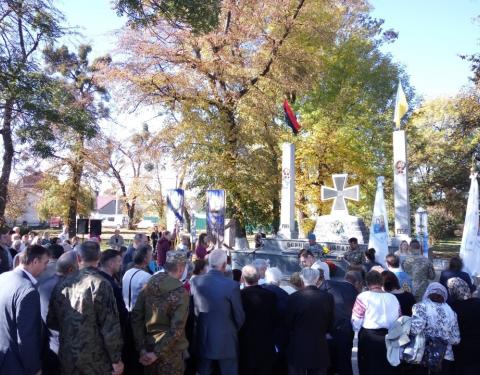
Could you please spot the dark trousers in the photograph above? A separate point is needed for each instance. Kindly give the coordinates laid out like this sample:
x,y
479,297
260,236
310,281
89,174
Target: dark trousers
x,y
448,368
462,369
50,363
340,349
227,366
260,369
306,371
372,353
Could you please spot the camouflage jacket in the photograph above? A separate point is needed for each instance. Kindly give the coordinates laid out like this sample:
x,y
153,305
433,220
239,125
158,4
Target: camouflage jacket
x,y
421,270
83,309
159,316
354,256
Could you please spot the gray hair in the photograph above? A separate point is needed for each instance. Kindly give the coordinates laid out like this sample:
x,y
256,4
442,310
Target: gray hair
x,y
217,259
66,263
309,276
273,275
89,251
250,274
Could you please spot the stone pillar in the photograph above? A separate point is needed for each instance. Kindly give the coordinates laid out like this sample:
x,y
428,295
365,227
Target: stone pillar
x,y
401,196
287,213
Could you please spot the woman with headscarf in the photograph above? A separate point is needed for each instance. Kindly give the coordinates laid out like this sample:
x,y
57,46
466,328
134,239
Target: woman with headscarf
x,y
436,320
467,360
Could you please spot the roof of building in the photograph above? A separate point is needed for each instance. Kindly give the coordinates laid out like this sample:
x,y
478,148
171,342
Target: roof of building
x,y
31,180
103,200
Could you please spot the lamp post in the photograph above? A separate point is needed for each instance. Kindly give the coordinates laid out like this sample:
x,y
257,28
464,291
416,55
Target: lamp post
x,y
421,228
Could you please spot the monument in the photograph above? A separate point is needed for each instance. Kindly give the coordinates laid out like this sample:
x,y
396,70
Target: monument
x,y
287,208
339,226
400,172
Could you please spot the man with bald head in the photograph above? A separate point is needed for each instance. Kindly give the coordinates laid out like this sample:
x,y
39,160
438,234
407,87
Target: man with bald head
x,y
257,335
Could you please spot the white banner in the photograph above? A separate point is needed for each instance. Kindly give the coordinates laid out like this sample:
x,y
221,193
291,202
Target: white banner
x,y
469,250
379,227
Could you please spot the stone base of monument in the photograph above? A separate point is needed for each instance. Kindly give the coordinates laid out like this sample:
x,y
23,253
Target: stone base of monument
x,y
283,254
339,228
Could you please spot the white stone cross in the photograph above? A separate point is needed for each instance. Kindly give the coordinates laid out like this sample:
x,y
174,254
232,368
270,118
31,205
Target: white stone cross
x,y
339,194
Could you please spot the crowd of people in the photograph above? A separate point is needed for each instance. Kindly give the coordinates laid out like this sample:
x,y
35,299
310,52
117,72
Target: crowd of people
x,y
152,307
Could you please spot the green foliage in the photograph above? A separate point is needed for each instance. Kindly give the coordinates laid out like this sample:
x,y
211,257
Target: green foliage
x,y
55,199
347,121
441,223
443,136
200,15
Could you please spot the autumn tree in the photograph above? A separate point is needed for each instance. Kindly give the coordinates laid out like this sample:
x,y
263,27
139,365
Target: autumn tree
x,y
347,120
55,199
130,162
16,202
443,137
223,89
26,26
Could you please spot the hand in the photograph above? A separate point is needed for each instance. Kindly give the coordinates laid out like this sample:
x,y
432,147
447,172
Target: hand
x,y
147,358
117,368
39,372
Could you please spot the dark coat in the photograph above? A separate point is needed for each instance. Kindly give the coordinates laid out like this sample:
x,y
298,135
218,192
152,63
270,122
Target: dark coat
x,y
344,296
20,325
282,298
218,315
309,317
468,311
448,274
257,335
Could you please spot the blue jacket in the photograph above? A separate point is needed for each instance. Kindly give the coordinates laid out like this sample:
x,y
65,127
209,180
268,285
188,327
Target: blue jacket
x,y
20,325
219,315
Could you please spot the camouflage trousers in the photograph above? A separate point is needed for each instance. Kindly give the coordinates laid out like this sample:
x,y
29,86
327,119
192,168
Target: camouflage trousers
x,y
172,364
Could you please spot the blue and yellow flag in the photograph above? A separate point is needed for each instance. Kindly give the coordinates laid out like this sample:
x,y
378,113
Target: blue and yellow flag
x,y
401,105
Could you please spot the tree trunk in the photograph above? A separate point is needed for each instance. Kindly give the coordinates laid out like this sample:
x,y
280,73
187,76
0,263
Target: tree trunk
x,y
131,213
8,152
276,214
77,173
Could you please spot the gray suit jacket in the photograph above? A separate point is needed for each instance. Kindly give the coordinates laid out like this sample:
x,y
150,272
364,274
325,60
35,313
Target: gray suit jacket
x,y
20,325
219,315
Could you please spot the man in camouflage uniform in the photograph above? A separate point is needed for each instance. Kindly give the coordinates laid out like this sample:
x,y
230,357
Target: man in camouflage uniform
x,y
83,310
159,318
354,256
420,269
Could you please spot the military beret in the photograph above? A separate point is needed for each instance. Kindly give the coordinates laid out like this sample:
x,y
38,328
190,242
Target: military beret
x,y
176,256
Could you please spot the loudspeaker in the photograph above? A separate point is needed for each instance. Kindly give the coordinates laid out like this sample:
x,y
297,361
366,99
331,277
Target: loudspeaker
x,y
95,227
82,226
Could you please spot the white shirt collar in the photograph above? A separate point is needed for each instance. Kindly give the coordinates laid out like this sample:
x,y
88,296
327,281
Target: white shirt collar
x,y
30,276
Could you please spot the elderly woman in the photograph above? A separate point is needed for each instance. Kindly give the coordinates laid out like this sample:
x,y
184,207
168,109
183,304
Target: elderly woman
x,y
435,319
373,314
467,360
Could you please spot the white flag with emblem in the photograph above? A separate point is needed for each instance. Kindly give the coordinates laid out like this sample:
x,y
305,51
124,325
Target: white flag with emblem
x,y
379,227
470,248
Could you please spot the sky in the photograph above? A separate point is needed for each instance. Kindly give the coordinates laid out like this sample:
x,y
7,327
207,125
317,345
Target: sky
x,y
432,33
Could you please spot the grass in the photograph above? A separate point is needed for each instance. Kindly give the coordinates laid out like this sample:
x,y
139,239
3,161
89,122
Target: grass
x,y
446,248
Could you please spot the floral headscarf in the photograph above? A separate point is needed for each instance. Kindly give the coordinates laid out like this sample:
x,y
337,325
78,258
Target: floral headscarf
x,y
436,288
458,289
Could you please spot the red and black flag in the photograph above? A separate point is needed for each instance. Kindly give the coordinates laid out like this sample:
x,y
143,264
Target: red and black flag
x,y
290,117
